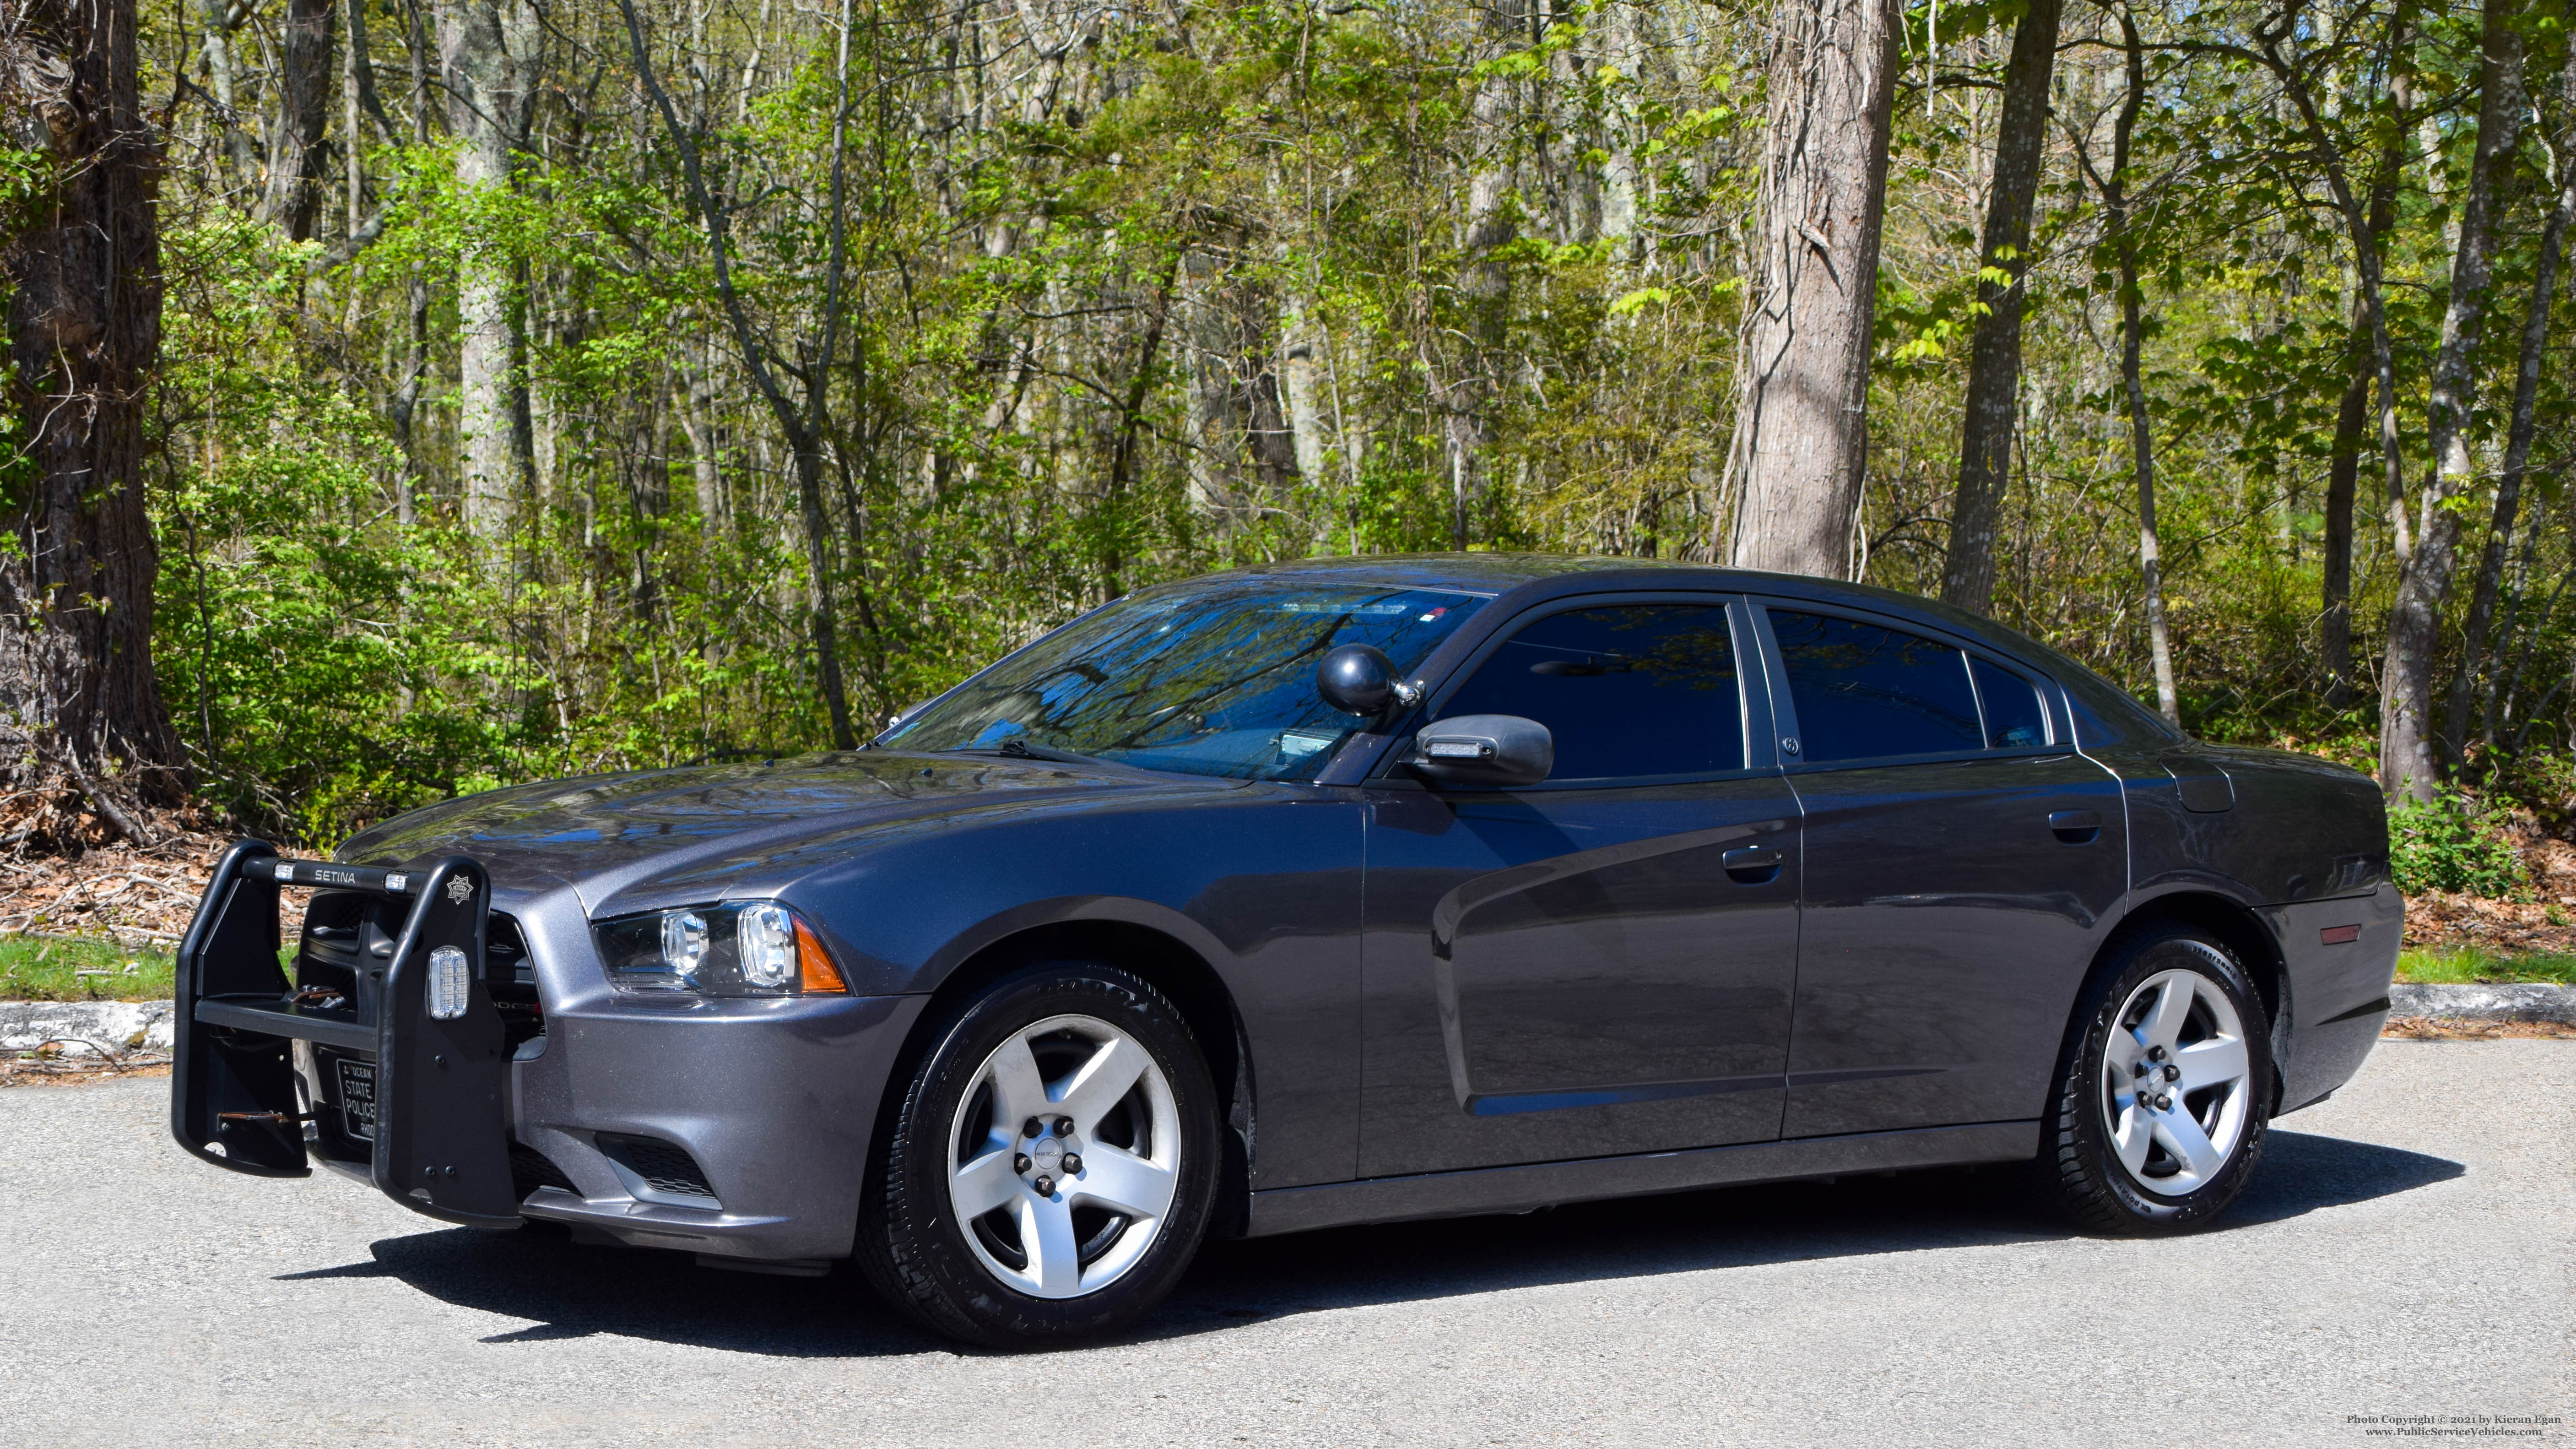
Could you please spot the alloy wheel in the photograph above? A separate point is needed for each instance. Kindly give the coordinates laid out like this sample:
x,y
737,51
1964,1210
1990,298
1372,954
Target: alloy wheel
x,y
2175,1069
1065,1155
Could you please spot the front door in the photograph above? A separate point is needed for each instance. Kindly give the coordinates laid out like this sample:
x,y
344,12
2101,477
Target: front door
x,y
1962,866
1602,963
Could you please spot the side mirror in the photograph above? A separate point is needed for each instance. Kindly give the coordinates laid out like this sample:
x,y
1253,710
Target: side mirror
x,y
1359,679
1485,749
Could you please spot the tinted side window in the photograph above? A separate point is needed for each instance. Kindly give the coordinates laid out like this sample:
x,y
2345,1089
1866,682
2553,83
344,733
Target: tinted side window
x,y
1864,692
2014,718
1629,690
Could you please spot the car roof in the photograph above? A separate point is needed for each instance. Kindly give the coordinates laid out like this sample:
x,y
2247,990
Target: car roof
x,y
1538,575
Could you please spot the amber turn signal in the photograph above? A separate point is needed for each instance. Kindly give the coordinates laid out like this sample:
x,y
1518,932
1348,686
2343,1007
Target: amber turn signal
x,y
815,964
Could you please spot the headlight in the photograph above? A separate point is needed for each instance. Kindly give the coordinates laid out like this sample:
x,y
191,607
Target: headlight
x,y
754,948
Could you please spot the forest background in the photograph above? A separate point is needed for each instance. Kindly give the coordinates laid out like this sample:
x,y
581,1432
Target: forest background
x,y
553,386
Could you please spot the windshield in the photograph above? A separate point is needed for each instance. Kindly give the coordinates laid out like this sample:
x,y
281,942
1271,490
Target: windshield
x,y
1210,679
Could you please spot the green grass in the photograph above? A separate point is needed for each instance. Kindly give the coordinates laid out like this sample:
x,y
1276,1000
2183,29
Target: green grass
x,y
2459,965
67,968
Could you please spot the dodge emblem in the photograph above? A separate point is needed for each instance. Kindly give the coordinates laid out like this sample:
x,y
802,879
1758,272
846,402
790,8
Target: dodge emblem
x,y
458,888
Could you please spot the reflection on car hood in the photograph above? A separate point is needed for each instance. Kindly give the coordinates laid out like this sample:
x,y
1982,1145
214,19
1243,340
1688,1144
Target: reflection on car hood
x,y
602,833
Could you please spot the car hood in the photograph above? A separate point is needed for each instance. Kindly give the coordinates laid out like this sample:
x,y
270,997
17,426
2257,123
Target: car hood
x,y
603,834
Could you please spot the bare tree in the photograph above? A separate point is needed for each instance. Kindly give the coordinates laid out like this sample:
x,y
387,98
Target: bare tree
x,y
1994,356
295,149
2343,466
1801,427
805,421
2521,429
78,700
492,54
2120,223
2407,762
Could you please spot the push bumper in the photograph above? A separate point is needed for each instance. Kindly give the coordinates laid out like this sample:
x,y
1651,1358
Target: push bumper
x,y
735,1129
417,1043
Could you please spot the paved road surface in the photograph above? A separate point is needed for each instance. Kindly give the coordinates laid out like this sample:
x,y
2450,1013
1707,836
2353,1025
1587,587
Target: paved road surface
x,y
2409,1249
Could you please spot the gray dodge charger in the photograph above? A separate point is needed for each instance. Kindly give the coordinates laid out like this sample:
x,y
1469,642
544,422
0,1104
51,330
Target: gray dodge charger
x,y
1342,891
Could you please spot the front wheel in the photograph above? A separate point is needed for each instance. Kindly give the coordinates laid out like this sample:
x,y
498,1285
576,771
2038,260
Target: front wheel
x,y
2165,1092
1052,1166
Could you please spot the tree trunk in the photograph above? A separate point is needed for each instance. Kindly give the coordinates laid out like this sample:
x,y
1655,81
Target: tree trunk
x,y
2343,476
2407,762
1994,357
2519,432
2343,470
803,424
2142,437
295,150
1462,390
705,467
78,701
490,51
1801,428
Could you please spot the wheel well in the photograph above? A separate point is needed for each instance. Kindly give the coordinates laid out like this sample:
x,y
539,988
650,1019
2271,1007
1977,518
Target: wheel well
x,y
2235,927
1170,967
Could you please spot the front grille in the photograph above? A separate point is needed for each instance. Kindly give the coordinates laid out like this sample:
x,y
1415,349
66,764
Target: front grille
x,y
531,1169
663,1166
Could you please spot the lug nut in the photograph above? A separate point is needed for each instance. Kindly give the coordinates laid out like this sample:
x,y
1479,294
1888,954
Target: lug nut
x,y
1072,1163
1063,1126
2163,1102
1030,1128
1019,1162
2140,1070
1046,1187
2155,1054
2172,1073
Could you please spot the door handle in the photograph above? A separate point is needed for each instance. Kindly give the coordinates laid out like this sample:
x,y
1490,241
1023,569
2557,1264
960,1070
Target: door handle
x,y
1751,864
2075,827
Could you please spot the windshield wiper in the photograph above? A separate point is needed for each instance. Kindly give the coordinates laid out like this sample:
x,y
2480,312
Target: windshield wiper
x,y
1020,749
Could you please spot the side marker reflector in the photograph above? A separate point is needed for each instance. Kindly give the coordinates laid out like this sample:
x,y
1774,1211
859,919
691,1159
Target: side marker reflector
x,y
2339,935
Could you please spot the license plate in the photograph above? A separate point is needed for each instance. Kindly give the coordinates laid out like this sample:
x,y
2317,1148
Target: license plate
x,y
358,1098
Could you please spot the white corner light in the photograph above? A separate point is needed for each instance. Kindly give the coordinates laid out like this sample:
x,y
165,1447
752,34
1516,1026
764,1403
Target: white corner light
x,y
450,983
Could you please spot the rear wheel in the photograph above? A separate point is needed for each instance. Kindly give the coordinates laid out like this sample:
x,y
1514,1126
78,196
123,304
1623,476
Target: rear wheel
x,y
2166,1091
1051,1168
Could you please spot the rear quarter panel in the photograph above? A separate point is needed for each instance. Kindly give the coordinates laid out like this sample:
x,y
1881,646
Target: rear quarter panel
x,y
2305,849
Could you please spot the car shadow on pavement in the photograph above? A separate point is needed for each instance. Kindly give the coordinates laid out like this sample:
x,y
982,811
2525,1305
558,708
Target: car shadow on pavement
x,y
1263,1278
567,1290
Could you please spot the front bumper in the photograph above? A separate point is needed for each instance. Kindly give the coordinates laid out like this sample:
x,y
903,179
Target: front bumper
x,y
735,1129
775,1102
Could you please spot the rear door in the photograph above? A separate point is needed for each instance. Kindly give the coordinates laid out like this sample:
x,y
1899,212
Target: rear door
x,y
1962,862
1601,963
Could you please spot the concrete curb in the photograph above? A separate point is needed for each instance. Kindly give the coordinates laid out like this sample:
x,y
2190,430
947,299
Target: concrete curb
x,y
85,1028
2485,1003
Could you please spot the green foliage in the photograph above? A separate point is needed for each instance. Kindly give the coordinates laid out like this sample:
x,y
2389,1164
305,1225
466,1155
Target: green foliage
x,y
2455,842
1233,285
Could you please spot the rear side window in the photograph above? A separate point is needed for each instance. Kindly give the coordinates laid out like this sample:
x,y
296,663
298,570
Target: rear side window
x,y
1865,692
2014,718
1628,691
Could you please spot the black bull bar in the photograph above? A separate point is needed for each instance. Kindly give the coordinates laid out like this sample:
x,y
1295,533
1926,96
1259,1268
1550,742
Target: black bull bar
x,y
441,1132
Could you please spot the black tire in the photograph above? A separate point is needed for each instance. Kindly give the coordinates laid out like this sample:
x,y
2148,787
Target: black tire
x,y
2078,1170
911,1244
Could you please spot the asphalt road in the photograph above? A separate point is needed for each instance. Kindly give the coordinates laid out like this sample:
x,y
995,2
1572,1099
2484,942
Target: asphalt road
x,y
2408,1249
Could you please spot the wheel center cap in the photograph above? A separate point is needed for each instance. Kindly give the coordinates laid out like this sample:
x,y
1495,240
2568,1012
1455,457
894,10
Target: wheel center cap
x,y
1048,1155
